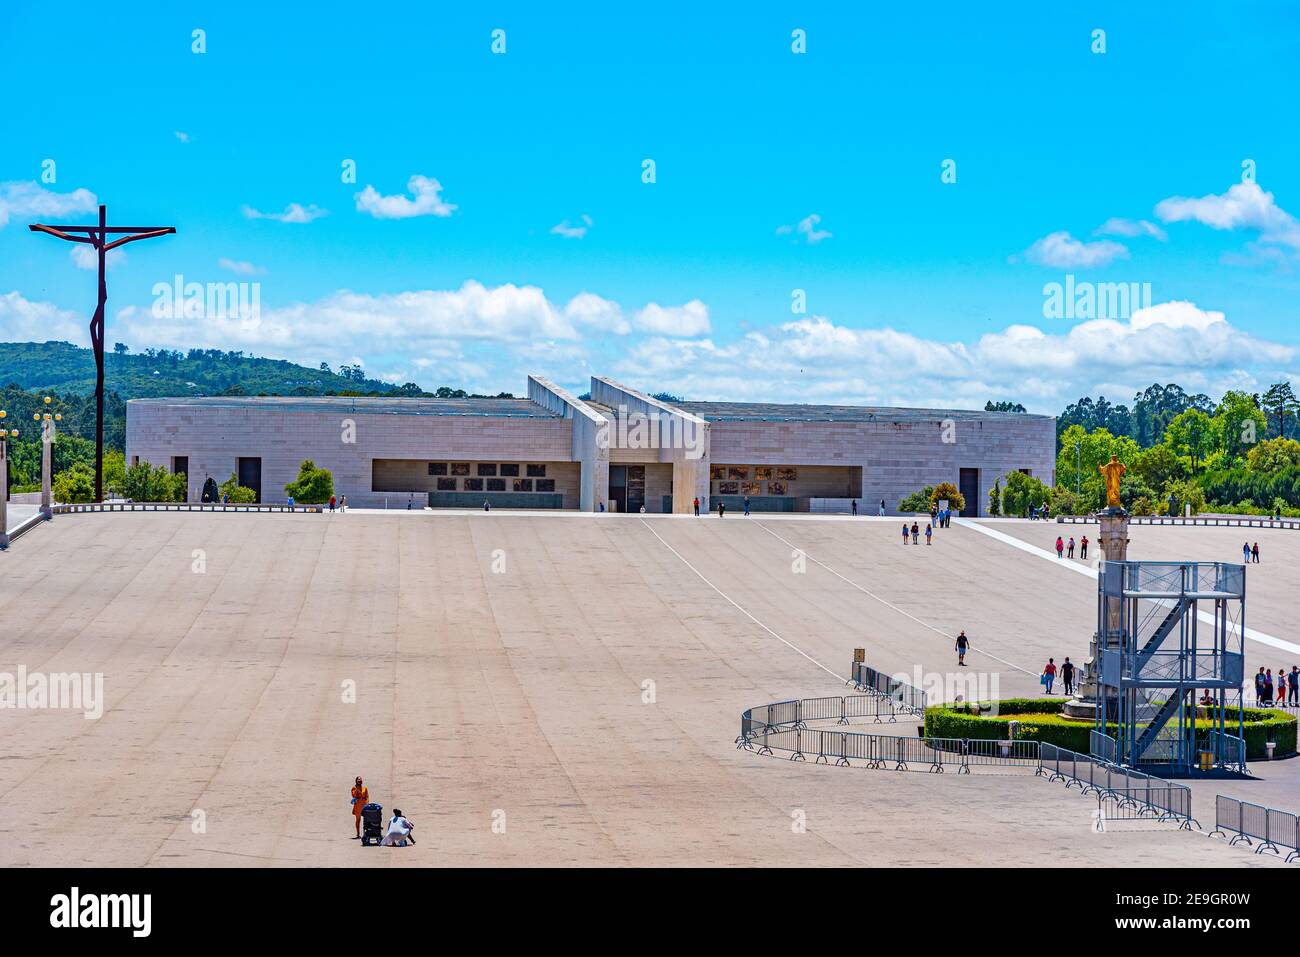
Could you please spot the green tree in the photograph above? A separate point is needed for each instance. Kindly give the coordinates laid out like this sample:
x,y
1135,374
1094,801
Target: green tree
x,y
1022,491
1281,404
1157,467
239,494
1003,406
76,484
956,501
313,486
1191,433
995,498
152,483
1273,456
1238,424
917,501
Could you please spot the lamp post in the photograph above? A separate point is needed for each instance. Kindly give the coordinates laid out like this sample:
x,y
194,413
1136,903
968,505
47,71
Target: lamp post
x,y
5,436
48,429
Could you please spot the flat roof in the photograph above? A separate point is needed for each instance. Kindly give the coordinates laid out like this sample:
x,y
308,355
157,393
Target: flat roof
x,y
796,412
364,405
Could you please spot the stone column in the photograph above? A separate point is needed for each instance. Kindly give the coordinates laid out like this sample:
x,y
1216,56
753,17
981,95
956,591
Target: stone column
x,y
4,492
47,468
1112,540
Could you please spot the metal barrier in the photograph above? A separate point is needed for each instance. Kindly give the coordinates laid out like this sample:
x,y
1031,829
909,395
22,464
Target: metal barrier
x,y
1103,745
910,698
1162,802
1092,774
1267,825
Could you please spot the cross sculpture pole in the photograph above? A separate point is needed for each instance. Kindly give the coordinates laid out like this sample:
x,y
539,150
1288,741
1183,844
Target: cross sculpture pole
x,y
97,236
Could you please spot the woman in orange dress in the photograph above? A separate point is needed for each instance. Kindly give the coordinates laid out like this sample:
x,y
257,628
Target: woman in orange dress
x,y
360,798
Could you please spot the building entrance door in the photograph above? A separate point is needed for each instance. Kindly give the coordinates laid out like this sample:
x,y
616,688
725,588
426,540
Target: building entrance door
x,y
968,484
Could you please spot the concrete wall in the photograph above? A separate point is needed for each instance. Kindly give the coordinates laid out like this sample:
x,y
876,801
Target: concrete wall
x,y
412,475
683,440
214,436
590,440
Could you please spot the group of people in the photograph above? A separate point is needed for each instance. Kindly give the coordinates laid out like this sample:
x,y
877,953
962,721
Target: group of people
x,y
1039,512
1065,549
340,503
915,531
1282,690
399,830
1067,673
1250,553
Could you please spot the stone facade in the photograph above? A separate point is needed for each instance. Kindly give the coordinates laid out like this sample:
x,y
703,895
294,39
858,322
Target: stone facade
x,y
379,449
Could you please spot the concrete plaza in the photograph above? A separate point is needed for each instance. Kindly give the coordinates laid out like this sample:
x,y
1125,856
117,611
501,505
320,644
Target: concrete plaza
x,y
535,689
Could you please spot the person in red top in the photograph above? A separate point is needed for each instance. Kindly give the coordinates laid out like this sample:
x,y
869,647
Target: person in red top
x,y
1060,546
1083,547
1049,674
697,507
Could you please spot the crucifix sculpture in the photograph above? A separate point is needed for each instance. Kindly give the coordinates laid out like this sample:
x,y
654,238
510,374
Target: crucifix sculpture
x,y
97,236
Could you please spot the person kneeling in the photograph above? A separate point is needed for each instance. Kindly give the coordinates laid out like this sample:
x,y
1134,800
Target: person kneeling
x,y
399,831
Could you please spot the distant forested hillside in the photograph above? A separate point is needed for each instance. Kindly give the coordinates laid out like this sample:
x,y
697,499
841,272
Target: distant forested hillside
x,y
64,368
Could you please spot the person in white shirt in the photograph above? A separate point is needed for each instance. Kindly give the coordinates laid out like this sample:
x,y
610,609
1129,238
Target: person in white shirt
x,y
399,831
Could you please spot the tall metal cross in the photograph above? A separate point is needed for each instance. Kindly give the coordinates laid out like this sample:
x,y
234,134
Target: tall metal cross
x,y
97,236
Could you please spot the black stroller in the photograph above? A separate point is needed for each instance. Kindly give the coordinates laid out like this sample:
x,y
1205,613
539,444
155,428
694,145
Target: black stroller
x,y
372,824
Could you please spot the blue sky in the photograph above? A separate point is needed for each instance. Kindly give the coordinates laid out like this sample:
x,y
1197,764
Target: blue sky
x,y
541,249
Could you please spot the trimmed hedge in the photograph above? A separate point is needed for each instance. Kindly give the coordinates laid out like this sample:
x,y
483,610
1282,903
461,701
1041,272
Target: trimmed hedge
x,y
1047,725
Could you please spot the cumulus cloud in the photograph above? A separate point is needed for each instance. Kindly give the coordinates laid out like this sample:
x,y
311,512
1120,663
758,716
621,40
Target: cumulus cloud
x,y
26,199
84,257
1060,250
182,136
807,228
1243,206
573,232
293,213
427,201
240,267
22,320
1117,226
689,319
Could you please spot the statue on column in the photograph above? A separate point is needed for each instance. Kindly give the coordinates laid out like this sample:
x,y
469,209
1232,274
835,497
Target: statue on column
x,y
1112,472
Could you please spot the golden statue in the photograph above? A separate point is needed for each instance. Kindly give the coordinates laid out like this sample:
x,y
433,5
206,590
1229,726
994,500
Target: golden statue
x,y
1112,472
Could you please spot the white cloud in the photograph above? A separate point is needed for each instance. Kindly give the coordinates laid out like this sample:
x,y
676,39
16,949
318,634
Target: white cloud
x,y
689,319
572,232
26,199
595,313
293,213
807,228
84,257
1060,250
427,202
1118,226
1243,206
22,320
183,137
240,267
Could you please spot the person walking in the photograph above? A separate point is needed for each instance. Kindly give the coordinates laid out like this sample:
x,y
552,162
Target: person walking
x,y
882,506
963,643
1293,686
854,506
722,508
697,506
928,532
746,504
360,798
916,533
333,503
1268,687
1254,553
1049,674
1259,688
905,533
1067,676
1245,552
343,504
1060,546
934,514
1069,549
1083,547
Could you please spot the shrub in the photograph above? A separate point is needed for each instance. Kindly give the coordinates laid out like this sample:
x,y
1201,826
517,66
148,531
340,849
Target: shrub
x,y
75,484
917,501
966,721
313,486
239,494
956,501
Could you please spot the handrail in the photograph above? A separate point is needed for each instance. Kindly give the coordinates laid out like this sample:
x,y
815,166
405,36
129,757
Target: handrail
x,y
1267,825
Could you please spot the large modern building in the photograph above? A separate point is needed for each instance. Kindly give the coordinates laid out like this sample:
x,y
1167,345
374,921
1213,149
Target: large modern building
x,y
619,450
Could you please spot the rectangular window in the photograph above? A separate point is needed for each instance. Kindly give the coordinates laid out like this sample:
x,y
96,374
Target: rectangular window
x,y
496,485
459,468
180,465
545,485
446,485
486,469
473,485
437,468
510,471
536,471
523,485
